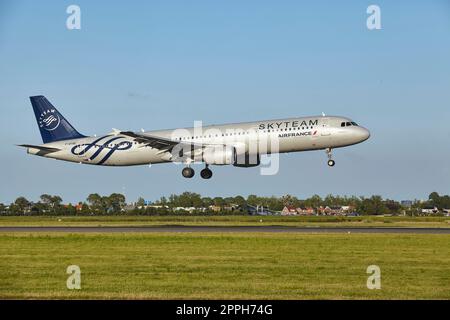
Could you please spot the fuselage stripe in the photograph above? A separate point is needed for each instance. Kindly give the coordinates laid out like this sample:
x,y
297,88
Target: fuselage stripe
x,y
100,148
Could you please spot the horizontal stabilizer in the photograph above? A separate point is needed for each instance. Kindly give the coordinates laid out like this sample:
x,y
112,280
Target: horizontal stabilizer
x,y
42,148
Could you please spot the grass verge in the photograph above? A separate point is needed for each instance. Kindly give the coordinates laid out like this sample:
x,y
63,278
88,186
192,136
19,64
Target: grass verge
x,y
224,266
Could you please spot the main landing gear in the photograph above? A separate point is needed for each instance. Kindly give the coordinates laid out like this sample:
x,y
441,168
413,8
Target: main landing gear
x,y
188,172
206,173
331,162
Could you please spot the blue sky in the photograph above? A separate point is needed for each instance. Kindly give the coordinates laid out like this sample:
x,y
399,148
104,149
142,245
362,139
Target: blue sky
x,y
164,64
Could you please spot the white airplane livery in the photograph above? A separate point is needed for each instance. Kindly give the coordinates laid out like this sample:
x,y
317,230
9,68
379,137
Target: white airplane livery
x,y
237,144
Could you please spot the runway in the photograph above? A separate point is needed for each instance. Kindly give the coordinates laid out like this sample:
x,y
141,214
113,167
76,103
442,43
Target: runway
x,y
227,229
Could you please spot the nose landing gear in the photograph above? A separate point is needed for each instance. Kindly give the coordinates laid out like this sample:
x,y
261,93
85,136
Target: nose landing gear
x,y
331,162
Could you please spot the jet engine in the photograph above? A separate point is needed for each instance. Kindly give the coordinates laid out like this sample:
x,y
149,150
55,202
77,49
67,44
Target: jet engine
x,y
247,160
219,155
223,155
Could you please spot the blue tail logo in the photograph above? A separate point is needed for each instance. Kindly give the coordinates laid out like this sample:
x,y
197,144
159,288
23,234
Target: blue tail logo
x,y
53,126
49,120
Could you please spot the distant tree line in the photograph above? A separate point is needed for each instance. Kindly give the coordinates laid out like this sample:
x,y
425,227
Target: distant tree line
x,y
52,205
115,203
438,201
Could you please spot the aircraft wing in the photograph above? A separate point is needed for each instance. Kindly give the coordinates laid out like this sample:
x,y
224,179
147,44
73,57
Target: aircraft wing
x,y
160,143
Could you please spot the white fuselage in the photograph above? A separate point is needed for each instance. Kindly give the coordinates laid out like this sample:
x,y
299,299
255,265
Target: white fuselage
x,y
261,137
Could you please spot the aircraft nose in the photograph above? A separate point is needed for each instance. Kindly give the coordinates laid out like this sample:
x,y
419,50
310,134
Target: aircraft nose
x,y
363,134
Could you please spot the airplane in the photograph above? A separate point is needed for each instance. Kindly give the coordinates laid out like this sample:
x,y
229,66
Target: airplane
x,y
237,144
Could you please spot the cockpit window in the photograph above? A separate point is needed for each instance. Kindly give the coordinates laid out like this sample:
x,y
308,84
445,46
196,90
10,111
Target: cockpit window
x,y
348,124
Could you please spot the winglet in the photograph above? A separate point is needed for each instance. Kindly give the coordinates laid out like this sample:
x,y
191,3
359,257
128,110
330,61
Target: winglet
x,y
116,131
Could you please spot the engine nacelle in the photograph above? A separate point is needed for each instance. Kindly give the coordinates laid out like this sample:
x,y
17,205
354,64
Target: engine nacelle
x,y
219,155
246,160
223,155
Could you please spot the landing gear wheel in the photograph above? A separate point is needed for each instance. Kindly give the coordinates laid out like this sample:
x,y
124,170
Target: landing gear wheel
x,y
188,172
331,162
206,173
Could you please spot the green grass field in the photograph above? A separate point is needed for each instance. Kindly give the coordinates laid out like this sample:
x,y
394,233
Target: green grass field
x,y
222,266
217,220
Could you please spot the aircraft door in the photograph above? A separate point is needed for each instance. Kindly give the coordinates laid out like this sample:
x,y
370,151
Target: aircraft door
x,y
325,127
